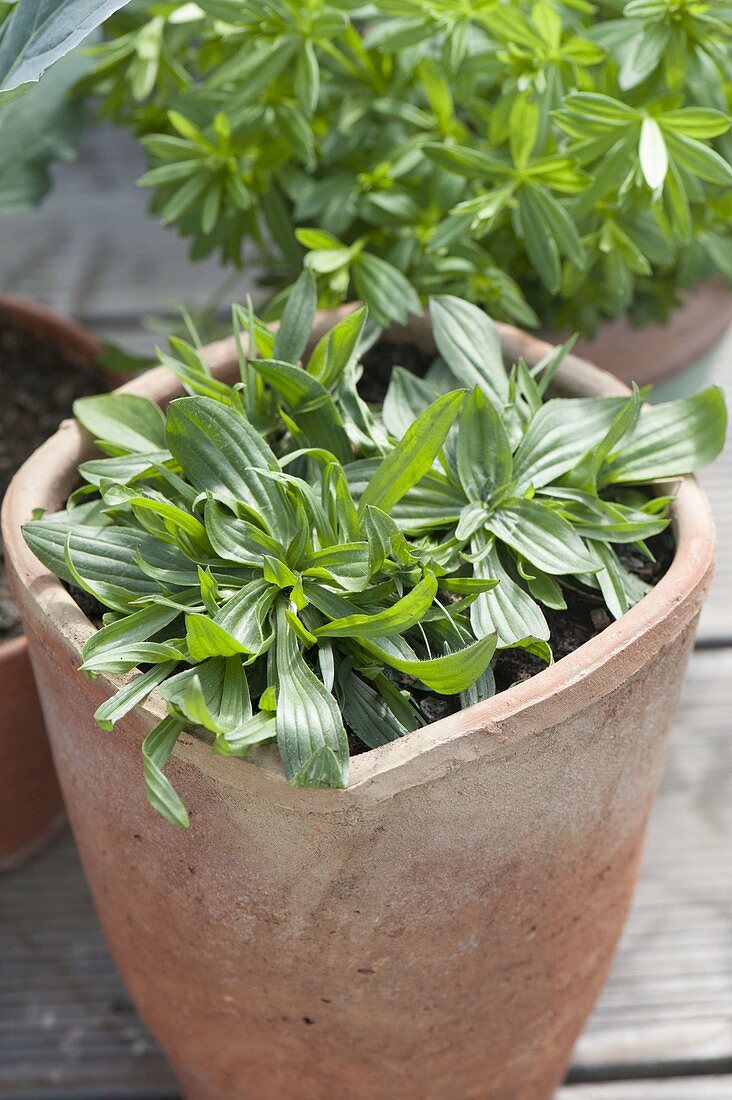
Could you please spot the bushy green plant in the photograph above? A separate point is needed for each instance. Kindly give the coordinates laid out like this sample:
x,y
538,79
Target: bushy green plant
x,y
554,163
285,561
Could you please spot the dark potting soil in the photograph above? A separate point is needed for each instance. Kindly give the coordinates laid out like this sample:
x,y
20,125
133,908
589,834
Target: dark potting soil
x,y
585,617
39,382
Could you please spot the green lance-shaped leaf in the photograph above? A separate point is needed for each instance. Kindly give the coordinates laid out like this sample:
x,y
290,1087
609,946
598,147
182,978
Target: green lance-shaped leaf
x,y
507,608
484,461
140,626
297,319
164,520
310,734
560,224
348,565
406,398
699,159
620,588
258,729
205,638
584,474
125,420
244,617
310,405
539,241
236,539
156,750
386,291
539,534
368,712
469,343
560,435
335,351
402,615
447,675
413,456
128,655
128,696
216,447
214,694
105,565
609,521
193,372
670,440
123,469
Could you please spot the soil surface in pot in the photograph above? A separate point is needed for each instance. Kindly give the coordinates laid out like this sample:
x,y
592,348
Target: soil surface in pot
x,y
39,381
586,614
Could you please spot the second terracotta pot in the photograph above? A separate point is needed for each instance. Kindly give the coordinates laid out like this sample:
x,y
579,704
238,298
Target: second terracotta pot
x,y
31,808
676,356
441,927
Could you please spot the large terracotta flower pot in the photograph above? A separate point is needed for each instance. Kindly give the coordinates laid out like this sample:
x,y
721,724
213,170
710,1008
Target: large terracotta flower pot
x,y
31,810
442,927
676,356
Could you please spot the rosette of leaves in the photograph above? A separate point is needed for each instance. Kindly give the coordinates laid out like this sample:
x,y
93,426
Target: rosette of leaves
x,y
551,162
260,599
287,563
539,492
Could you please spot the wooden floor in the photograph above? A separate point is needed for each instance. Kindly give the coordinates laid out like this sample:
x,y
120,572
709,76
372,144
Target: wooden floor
x,y
662,1029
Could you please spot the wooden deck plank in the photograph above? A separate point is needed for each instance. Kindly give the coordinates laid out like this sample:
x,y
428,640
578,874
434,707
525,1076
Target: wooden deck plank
x,y
715,624
92,249
66,1026
669,998
67,1031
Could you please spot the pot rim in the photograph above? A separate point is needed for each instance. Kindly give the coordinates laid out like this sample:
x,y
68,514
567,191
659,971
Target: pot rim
x,y
592,671
30,313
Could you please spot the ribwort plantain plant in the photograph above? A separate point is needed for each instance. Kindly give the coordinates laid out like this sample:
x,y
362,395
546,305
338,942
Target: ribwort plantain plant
x,y
287,563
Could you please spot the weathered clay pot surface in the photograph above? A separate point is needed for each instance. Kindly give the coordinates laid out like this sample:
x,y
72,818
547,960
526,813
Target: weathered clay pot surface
x,y
31,808
439,929
656,353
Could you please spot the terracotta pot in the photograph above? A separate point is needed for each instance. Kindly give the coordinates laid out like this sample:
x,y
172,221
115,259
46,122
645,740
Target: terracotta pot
x,y
440,928
657,353
31,809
